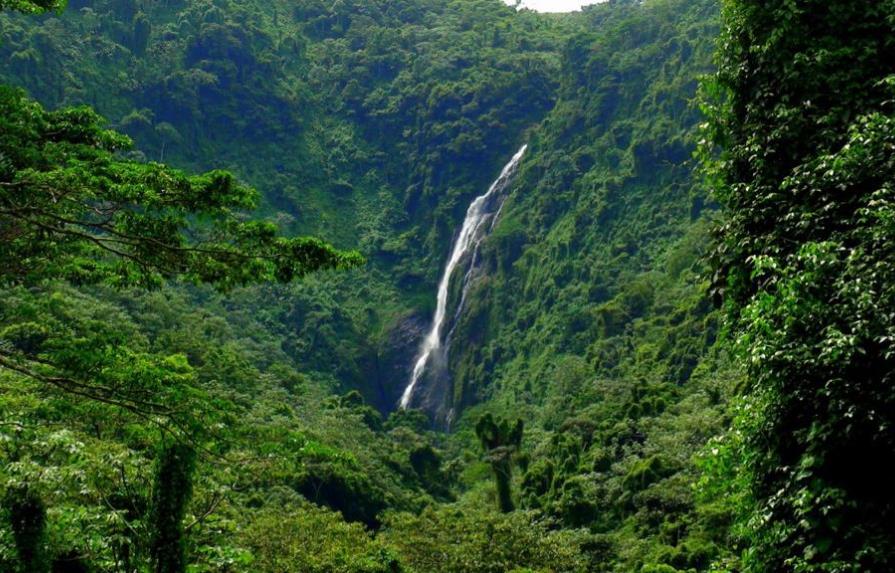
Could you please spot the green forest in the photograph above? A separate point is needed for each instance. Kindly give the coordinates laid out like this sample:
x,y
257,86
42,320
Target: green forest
x,y
277,297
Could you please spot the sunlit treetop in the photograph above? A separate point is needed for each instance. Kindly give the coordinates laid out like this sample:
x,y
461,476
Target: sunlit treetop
x,y
32,6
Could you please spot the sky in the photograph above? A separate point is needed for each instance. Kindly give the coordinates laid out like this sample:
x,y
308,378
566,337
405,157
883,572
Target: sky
x,y
553,5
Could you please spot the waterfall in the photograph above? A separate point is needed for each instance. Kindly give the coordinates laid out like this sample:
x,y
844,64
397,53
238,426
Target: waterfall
x,y
470,236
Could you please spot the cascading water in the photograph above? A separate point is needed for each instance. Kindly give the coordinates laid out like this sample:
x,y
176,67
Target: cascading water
x,y
471,235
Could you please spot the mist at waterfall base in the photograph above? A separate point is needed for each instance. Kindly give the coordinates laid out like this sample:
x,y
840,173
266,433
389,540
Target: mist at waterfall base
x,y
431,361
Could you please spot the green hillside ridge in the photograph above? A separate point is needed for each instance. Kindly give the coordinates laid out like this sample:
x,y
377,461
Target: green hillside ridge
x,y
327,162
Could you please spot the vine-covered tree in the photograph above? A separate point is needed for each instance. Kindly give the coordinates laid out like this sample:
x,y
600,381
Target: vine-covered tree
x,y
171,493
804,261
27,518
501,442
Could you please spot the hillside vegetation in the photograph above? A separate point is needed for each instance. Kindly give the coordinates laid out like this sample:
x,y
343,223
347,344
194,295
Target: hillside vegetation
x,y
664,361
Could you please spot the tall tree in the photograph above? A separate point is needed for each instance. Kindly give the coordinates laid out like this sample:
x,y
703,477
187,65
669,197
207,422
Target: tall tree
x,y
501,442
27,517
807,175
171,493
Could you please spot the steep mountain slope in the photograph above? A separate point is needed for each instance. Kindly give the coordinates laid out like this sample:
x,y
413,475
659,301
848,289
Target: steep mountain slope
x,y
607,215
590,318
367,123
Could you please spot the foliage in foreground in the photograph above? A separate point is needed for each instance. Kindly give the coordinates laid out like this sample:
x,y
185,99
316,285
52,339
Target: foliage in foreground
x,y
803,259
71,207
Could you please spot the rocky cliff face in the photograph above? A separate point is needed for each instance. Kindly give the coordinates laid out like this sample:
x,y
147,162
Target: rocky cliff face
x,y
395,359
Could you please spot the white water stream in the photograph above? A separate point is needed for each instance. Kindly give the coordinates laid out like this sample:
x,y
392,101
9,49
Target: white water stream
x,y
469,238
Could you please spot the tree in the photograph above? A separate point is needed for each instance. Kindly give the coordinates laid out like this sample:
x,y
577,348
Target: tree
x,y
501,443
72,208
142,29
171,493
804,121
32,6
27,518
